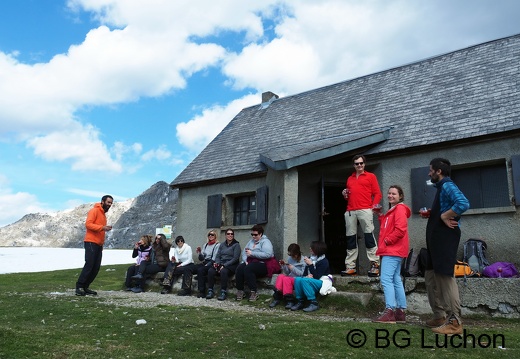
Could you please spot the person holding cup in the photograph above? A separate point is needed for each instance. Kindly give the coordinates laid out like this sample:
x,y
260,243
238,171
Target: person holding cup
x,y
363,195
207,255
393,246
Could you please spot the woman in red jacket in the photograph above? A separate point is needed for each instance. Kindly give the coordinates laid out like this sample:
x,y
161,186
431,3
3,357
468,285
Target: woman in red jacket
x,y
393,246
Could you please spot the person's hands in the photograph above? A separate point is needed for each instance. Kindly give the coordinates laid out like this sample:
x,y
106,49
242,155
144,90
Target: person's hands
x,y
307,261
248,252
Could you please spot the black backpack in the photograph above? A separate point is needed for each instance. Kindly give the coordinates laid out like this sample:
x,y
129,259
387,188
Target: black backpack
x,y
475,255
410,265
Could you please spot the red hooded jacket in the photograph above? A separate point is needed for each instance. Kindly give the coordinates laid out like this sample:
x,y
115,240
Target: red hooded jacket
x,y
393,232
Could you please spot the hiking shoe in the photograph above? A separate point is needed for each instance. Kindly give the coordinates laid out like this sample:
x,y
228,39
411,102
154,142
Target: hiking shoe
x,y
89,291
137,276
80,292
387,316
128,289
201,295
137,289
311,307
374,269
253,296
210,294
452,326
184,292
349,271
435,322
223,295
166,290
240,295
400,316
274,303
289,305
297,306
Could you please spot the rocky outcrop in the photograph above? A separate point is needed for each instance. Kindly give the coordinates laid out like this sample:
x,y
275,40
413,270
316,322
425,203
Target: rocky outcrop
x,y
152,209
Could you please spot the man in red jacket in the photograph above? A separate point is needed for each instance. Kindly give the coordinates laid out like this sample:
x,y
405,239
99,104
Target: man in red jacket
x,y
96,224
363,195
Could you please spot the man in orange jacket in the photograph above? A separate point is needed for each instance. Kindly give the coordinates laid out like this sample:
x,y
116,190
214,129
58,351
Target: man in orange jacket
x,y
96,224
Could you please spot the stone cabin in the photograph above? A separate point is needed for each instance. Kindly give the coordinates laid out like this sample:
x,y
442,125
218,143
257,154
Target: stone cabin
x,y
283,163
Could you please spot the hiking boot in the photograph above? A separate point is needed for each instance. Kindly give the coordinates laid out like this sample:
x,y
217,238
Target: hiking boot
x,y
297,306
166,290
137,289
289,305
89,291
374,269
400,316
184,292
387,316
201,295
312,307
253,296
240,295
452,326
137,276
435,322
349,271
223,295
274,303
80,292
210,294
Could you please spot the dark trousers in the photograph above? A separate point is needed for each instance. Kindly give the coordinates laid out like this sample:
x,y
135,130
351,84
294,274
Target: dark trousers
x,y
187,275
93,255
225,273
202,273
248,274
147,270
169,274
132,270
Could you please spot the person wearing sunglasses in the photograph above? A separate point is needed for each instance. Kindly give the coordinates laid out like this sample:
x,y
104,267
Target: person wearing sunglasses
x,y
159,259
363,195
141,252
256,256
207,255
181,264
226,263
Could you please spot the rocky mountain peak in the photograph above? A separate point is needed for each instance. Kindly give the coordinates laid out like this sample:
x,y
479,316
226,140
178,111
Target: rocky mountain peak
x,y
152,209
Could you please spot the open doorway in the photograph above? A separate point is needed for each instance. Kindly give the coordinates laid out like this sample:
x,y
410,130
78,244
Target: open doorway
x,y
333,225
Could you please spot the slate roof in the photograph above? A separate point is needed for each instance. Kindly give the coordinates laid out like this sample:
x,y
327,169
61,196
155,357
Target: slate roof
x,y
456,96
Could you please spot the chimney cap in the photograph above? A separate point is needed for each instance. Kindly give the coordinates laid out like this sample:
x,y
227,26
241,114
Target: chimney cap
x,y
268,96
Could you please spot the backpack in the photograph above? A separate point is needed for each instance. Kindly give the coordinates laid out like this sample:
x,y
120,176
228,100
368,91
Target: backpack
x,y
500,270
463,269
410,265
475,254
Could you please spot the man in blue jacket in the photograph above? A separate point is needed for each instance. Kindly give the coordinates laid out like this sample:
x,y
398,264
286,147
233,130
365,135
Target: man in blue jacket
x,y
442,241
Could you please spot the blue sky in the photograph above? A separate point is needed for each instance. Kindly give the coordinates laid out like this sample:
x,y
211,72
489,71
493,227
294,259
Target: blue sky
x,y
111,96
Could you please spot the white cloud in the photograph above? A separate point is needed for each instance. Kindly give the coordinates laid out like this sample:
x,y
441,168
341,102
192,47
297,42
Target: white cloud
x,y
198,132
78,144
159,154
14,206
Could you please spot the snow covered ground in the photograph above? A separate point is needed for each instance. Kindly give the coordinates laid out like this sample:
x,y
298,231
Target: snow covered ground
x,y
41,259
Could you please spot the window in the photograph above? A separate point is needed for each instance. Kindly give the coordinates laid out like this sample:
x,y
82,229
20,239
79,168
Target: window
x,y
244,210
484,186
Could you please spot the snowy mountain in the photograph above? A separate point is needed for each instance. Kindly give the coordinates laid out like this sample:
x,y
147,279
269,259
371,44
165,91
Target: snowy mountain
x,y
154,208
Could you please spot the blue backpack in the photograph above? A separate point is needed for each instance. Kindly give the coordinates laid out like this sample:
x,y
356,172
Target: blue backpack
x,y
475,255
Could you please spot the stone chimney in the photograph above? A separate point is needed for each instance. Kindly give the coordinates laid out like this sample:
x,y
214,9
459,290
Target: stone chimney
x,y
268,97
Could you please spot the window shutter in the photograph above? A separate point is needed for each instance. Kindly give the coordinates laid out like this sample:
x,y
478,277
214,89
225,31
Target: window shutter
x,y
422,194
261,205
214,219
515,164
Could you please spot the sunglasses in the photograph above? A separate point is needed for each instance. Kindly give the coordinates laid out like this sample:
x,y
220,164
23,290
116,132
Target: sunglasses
x,y
358,163
230,234
211,235
255,234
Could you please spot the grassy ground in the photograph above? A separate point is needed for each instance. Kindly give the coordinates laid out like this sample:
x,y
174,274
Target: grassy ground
x,y
41,318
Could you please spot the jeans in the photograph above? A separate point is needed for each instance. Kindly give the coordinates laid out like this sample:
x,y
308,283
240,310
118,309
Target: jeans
x,y
391,282
93,255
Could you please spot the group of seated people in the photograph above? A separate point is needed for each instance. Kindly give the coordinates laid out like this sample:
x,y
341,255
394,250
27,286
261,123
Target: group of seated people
x,y
301,278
